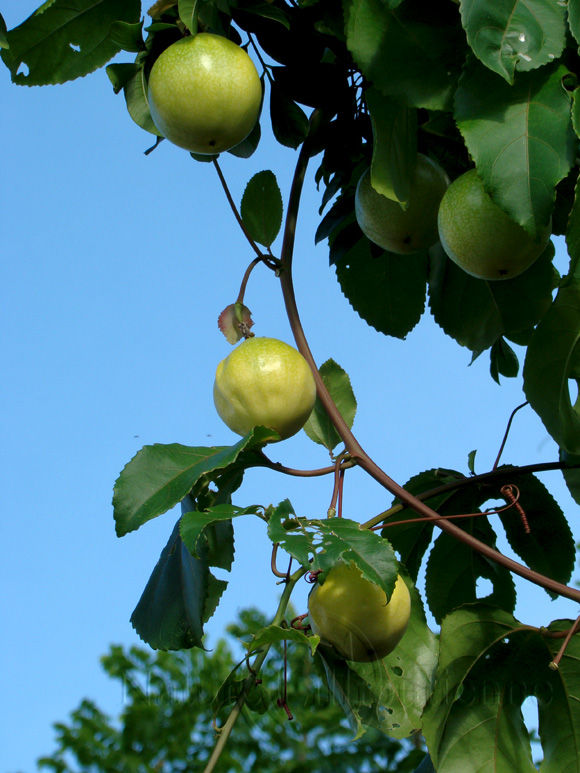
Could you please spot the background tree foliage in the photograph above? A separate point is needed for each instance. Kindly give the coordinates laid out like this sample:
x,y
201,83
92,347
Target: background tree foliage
x,y
485,83
166,723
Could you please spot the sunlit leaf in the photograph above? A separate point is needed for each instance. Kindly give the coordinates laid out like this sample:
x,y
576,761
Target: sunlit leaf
x,y
394,146
508,36
319,427
66,39
520,137
401,54
261,207
159,476
331,540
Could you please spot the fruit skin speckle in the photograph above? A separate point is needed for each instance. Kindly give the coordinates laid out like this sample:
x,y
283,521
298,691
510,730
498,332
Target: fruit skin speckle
x,y
204,93
480,237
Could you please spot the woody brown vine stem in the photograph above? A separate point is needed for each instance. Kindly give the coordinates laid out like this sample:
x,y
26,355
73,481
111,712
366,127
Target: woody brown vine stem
x,y
352,445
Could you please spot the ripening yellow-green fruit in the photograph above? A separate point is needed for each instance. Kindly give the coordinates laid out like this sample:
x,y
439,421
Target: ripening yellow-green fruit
x,y
266,382
480,237
399,230
204,93
354,616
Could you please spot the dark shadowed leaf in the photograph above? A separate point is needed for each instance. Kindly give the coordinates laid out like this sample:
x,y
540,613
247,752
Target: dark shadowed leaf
x,y
547,368
386,290
170,612
476,312
572,476
453,569
503,360
549,546
411,540
289,121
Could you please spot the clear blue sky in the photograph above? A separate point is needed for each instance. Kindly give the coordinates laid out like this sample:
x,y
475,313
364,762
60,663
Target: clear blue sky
x,y
115,268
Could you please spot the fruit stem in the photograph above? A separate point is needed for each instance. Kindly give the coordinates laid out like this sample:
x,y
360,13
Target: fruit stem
x,y
351,443
250,681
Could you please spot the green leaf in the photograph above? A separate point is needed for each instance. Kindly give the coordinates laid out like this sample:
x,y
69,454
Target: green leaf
x,y
547,368
549,547
129,37
520,137
473,720
401,54
572,476
246,148
135,92
187,10
289,121
3,30
574,19
331,540
503,360
559,704
120,74
386,290
394,145
170,612
401,683
262,208
573,232
66,39
476,312
274,634
319,427
411,540
453,568
159,476
194,524
348,690
471,461
508,36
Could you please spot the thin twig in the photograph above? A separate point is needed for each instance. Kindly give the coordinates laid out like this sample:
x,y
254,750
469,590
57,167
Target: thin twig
x,y
507,432
555,664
